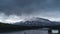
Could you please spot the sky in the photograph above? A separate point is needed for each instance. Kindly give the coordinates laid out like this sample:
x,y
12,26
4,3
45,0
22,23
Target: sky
x,y
12,11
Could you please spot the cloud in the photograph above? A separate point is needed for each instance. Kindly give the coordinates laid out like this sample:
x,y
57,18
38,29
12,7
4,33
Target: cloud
x,y
23,6
30,8
10,19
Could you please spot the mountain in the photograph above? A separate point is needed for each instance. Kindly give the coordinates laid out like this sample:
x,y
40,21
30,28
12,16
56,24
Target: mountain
x,y
35,22
32,23
55,23
4,27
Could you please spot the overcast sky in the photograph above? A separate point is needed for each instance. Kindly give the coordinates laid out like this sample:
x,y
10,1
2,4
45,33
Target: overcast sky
x,y
19,9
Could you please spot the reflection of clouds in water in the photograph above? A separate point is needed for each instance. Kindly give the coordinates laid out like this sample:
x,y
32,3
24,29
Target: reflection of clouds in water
x,y
55,31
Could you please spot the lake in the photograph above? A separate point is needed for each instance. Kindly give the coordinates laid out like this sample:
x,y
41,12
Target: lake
x,y
35,31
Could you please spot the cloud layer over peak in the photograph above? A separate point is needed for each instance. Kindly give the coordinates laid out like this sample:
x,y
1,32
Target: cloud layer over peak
x,y
31,8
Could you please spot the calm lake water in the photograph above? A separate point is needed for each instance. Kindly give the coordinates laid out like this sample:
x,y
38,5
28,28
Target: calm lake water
x,y
37,31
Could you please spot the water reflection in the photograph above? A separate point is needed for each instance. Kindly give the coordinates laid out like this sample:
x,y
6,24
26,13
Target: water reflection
x,y
37,31
54,31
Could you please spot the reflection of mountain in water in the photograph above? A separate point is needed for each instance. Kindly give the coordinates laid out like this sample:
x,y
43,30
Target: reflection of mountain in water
x,y
36,31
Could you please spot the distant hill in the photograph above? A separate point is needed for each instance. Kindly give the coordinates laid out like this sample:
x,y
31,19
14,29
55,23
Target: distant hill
x,y
4,27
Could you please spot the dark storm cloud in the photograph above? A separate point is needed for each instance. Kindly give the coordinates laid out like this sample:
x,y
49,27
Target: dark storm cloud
x,y
20,7
16,10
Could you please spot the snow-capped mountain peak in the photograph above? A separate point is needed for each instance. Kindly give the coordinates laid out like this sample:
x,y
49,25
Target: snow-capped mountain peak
x,y
35,22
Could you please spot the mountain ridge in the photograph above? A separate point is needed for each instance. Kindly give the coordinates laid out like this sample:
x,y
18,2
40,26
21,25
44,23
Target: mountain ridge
x,y
35,22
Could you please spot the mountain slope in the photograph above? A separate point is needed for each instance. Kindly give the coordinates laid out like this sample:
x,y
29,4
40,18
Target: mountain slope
x,y
35,22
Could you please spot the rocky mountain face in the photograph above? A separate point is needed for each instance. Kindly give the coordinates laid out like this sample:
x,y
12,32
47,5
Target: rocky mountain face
x,y
35,22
